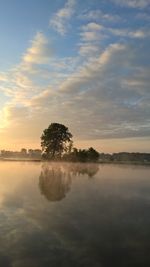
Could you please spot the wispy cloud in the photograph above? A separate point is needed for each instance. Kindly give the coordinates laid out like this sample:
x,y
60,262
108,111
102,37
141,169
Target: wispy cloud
x,y
95,29
137,33
133,3
101,95
88,49
3,77
60,20
92,26
89,36
98,15
93,35
40,50
100,85
15,113
143,16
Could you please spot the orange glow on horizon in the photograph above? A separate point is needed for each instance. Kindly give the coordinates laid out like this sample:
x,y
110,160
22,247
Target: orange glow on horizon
x,y
103,145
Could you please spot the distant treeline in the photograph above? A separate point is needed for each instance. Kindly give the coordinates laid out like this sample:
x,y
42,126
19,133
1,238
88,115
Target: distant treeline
x,y
80,155
23,153
91,155
125,157
71,154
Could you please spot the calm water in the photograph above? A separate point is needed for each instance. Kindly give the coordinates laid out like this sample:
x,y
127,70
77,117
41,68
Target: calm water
x,y
72,215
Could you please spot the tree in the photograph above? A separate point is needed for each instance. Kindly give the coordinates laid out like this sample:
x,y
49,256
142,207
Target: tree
x,y
54,140
82,155
92,154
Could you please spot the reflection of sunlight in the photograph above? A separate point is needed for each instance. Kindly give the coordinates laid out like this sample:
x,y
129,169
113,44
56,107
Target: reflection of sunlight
x,y
8,179
14,176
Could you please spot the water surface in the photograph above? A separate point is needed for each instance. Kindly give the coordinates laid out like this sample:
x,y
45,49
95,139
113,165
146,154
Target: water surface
x,y
74,215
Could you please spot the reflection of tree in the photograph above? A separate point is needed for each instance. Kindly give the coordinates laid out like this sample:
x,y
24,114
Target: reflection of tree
x,y
55,178
81,169
54,182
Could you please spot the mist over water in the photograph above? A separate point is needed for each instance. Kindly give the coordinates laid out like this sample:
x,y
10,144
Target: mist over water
x,y
68,214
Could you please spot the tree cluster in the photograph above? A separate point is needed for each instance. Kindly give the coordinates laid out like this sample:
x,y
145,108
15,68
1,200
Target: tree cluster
x,y
57,144
82,155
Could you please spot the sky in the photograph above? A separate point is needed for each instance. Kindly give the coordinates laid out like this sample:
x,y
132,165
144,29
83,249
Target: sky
x,y
85,64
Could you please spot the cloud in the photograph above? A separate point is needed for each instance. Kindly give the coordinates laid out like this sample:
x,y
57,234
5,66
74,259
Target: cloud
x,y
3,77
133,3
43,99
92,26
23,81
139,33
100,90
59,20
39,52
88,49
90,36
93,69
101,93
98,15
143,16
92,32
103,101
15,113
104,97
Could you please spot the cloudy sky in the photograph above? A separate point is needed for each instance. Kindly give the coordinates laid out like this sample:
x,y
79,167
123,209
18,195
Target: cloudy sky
x,y
85,64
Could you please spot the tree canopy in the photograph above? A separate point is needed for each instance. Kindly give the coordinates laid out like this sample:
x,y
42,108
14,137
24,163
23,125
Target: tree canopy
x,y
54,140
82,155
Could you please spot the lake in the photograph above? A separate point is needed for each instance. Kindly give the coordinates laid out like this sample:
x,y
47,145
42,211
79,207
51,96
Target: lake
x,y
73,215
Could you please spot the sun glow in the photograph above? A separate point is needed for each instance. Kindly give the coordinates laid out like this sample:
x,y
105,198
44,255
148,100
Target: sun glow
x,y
3,121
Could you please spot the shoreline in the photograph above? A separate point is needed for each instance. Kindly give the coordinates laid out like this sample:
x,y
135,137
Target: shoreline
x,y
32,160
100,162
